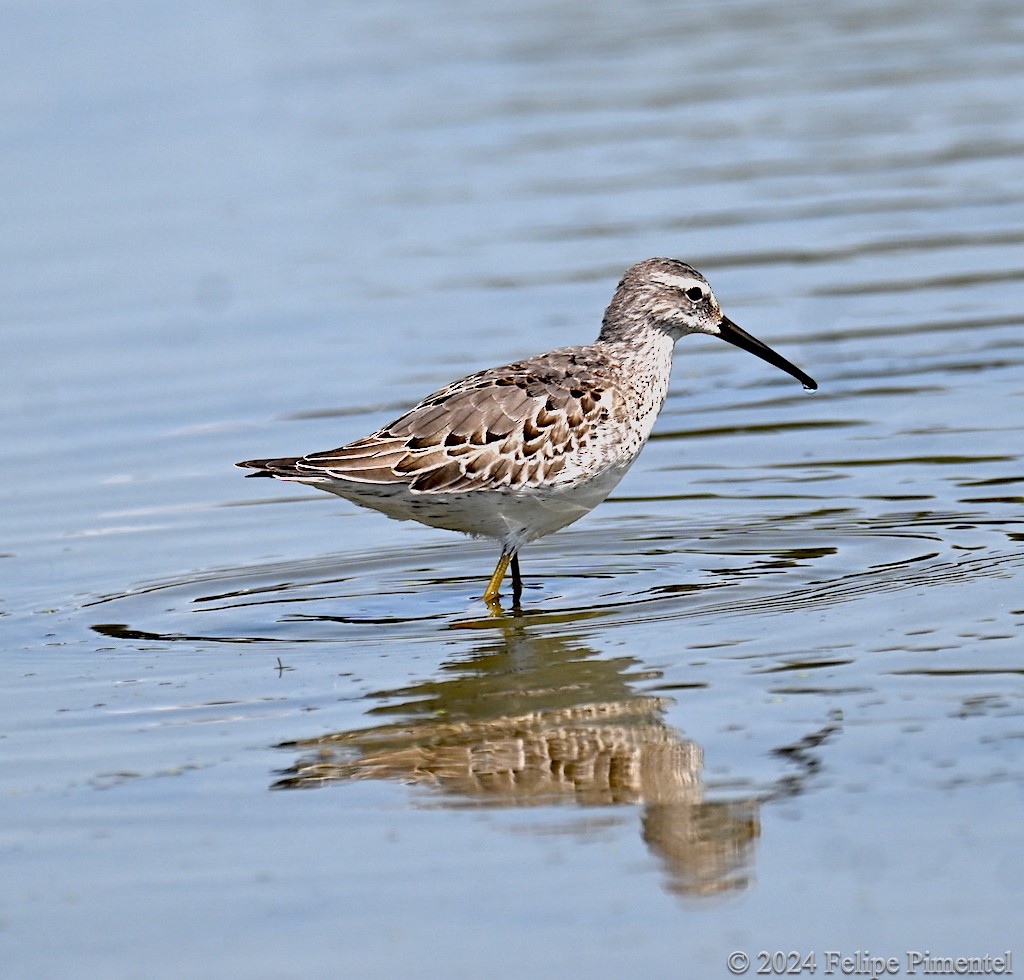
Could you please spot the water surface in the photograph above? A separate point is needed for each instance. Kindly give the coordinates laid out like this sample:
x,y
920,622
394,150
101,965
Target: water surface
x,y
767,697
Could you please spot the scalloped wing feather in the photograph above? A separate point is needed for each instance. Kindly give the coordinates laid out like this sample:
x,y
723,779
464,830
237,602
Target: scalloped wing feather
x,y
512,427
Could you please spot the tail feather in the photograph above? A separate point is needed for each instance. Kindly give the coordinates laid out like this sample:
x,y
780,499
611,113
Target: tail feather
x,y
284,466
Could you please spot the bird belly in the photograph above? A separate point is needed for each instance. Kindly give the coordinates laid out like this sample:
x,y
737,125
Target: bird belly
x,y
512,516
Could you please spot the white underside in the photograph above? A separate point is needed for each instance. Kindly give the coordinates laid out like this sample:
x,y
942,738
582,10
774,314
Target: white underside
x,y
513,517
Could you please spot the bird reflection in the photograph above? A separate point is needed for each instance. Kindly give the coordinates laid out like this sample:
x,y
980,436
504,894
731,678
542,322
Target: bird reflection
x,y
533,720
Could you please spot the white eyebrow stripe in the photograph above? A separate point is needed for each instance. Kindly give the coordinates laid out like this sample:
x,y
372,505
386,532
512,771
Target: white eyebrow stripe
x,y
681,282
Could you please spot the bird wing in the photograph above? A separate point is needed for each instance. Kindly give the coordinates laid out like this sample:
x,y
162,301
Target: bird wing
x,y
515,427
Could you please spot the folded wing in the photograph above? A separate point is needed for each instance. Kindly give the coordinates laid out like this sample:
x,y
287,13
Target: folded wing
x,y
517,426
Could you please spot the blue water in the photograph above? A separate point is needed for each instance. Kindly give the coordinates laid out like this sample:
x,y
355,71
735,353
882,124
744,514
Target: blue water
x,y
767,697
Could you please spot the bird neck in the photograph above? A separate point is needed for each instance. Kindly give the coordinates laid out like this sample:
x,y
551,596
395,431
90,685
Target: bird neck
x,y
641,350
646,368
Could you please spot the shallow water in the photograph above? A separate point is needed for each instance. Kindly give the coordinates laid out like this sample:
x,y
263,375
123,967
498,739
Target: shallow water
x,y
769,696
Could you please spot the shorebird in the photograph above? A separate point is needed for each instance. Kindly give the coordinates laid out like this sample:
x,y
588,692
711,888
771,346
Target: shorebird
x,y
518,451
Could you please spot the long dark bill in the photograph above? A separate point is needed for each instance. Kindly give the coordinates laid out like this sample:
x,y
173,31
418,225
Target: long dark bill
x,y
740,338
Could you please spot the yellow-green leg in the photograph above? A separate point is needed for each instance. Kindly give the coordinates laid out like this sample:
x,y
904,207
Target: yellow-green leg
x,y
494,586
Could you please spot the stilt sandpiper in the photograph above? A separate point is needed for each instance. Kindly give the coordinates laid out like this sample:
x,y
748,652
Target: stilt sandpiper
x,y
518,451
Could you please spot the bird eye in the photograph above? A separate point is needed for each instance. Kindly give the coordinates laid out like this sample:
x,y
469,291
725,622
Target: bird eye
x,y
695,293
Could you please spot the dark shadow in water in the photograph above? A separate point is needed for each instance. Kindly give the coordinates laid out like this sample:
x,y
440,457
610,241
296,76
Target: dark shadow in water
x,y
539,720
